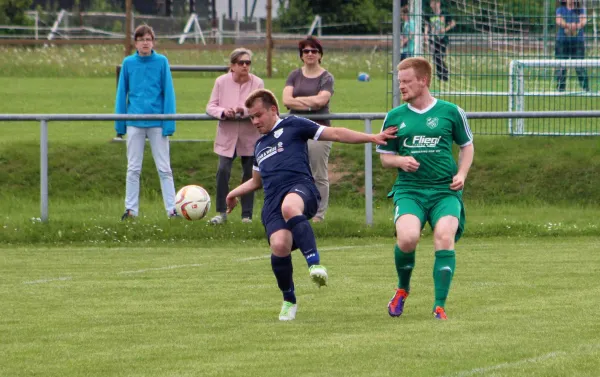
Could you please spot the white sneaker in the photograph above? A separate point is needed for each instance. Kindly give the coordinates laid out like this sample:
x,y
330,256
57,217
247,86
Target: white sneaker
x,y
318,274
288,311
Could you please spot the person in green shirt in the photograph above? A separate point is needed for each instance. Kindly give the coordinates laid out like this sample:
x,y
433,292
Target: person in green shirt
x,y
429,184
407,41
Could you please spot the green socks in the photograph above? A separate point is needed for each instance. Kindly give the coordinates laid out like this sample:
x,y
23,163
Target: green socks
x,y
405,263
443,271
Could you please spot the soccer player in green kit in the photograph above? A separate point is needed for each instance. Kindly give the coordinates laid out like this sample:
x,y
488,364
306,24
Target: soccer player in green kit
x,y
429,184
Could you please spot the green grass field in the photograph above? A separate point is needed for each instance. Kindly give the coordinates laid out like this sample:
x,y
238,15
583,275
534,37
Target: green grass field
x,y
518,307
88,295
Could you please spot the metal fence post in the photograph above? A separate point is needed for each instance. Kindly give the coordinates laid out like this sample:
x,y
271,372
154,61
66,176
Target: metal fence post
x,y
44,170
368,176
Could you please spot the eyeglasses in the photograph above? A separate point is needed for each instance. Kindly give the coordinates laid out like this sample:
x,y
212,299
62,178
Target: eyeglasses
x,y
244,62
310,51
145,40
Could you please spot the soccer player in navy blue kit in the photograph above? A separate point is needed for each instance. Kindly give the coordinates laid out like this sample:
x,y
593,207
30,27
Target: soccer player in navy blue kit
x,y
281,167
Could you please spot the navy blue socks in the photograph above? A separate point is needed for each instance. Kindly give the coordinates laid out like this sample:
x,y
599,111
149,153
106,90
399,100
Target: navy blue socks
x,y
304,238
283,270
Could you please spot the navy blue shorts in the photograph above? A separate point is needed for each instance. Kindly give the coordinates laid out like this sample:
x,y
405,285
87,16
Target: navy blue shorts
x,y
272,218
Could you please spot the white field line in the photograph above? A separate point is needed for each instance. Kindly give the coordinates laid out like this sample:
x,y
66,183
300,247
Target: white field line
x,y
249,259
160,268
533,360
43,281
64,278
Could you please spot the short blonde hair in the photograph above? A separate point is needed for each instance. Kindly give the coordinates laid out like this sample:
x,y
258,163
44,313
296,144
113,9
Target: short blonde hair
x,y
420,65
266,96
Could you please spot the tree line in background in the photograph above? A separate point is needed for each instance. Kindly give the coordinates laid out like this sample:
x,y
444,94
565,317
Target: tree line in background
x,y
338,16
12,12
375,16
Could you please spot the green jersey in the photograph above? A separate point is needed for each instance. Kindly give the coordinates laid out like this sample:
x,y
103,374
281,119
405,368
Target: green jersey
x,y
427,135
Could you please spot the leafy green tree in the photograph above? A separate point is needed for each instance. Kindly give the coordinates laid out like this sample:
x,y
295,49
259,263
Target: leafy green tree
x,y
12,12
351,16
298,13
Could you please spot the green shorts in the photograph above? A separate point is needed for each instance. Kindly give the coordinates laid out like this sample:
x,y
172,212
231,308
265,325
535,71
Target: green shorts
x,y
430,205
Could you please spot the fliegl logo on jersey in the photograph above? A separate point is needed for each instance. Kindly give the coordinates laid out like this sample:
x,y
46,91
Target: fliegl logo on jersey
x,y
421,141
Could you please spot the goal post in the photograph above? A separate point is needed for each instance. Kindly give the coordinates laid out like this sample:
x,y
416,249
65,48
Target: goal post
x,y
529,78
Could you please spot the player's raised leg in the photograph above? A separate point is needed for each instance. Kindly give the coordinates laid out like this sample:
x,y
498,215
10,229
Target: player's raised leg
x,y
281,262
293,209
408,232
445,262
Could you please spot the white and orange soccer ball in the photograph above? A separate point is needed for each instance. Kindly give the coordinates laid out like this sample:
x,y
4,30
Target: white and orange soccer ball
x,y
192,202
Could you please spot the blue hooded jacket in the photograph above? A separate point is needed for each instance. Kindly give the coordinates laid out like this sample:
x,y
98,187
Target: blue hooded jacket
x,y
145,87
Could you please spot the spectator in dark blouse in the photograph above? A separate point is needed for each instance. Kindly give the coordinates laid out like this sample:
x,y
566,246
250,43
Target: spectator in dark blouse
x,y
308,91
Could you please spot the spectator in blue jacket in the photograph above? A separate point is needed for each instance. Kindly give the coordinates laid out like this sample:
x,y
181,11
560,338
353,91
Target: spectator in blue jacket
x,y
146,87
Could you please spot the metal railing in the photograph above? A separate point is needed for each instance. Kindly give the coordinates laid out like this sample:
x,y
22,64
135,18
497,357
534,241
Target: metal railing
x,y
366,117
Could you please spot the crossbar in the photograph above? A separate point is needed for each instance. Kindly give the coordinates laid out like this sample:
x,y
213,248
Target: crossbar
x,y
516,85
553,63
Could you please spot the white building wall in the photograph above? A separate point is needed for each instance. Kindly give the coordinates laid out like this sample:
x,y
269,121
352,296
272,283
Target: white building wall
x,y
238,6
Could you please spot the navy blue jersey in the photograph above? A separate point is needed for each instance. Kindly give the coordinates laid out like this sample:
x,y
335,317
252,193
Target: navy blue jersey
x,y
281,156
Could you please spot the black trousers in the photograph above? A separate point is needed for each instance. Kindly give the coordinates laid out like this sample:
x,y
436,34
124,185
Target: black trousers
x,y
571,49
438,48
223,175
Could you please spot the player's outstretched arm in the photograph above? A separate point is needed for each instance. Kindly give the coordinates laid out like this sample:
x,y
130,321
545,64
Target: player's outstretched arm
x,y
250,185
344,135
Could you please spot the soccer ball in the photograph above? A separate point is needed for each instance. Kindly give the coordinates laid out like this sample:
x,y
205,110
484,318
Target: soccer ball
x,y
192,202
362,76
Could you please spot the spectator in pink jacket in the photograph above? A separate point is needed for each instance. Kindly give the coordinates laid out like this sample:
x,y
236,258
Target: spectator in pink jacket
x,y
236,136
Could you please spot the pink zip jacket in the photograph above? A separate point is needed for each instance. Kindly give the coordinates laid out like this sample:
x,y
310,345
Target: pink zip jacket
x,y
233,135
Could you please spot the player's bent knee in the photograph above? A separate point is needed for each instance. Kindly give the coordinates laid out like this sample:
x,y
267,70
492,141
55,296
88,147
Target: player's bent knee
x,y
444,240
281,244
290,211
407,244
292,206
407,236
